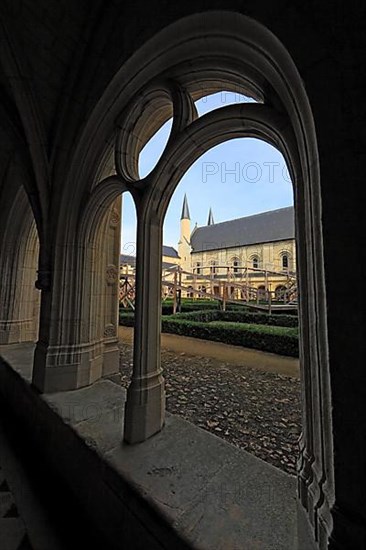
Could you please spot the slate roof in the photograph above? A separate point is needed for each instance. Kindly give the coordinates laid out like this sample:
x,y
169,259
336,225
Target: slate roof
x,y
275,225
170,251
126,259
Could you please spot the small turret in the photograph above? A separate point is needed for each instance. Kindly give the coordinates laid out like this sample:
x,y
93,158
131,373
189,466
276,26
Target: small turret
x,y
185,210
210,220
184,246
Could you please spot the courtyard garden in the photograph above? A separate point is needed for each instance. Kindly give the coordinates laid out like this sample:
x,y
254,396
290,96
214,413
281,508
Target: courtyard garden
x,y
250,408
237,326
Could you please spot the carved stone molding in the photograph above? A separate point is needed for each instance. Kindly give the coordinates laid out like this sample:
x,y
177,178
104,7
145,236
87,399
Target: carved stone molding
x,y
115,218
110,330
111,274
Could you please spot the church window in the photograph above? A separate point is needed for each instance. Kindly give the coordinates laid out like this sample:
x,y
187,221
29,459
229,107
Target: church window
x,y
213,268
236,264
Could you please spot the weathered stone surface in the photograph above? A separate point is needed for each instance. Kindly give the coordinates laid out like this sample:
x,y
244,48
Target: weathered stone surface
x,y
229,499
254,410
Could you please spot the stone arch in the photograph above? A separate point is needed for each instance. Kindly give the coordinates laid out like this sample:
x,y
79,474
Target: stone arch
x,y
89,312
19,298
188,54
255,260
285,259
261,293
235,262
280,293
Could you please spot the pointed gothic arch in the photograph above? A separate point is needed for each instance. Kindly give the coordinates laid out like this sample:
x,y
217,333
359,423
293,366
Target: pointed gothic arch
x,y
170,70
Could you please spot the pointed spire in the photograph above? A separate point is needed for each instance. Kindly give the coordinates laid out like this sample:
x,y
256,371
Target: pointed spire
x,y
210,220
185,210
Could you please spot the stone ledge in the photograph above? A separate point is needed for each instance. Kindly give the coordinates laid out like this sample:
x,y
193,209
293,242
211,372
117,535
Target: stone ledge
x,y
182,488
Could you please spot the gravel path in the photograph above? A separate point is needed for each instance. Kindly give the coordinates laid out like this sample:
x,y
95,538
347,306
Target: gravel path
x,y
254,410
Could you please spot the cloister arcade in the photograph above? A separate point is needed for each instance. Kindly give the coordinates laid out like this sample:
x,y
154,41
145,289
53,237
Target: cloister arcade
x,y
60,225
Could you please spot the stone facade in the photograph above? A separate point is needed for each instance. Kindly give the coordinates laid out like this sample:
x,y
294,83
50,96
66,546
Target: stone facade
x,y
267,266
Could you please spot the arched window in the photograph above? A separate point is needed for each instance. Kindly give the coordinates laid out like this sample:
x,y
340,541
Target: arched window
x,y
213,268
280,293
190,292
261,290
285,261
198,268
236,264
255,262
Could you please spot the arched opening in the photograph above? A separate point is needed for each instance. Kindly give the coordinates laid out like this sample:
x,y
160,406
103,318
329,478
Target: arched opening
x,y
213,267
214,253
281,293
235,264
255,262
285,121
128,254
19,297
261,293
153,149
223,98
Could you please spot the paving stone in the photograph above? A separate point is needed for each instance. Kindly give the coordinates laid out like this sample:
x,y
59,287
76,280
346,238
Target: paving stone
x,y
87,403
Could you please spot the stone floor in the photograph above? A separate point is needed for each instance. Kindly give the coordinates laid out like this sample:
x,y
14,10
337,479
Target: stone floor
x,y
229,499
254,410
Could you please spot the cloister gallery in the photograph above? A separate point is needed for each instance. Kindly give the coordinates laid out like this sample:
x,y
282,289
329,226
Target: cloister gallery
x,y
84,85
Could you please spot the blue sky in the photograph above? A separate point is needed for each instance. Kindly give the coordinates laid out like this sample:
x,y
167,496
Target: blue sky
x,y
238,178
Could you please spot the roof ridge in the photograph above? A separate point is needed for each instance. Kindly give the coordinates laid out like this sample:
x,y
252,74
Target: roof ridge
x,y
246,217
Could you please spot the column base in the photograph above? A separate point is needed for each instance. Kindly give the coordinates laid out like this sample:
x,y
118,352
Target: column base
x,y
144,413
66,368
111,358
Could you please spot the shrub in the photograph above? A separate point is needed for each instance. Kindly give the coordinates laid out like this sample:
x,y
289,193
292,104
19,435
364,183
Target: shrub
x,y
259,318
186,307
242,316
208,325
282,340
127,319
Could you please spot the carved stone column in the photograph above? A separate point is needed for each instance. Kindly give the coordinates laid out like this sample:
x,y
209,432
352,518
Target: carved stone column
x,y
111,350
145,406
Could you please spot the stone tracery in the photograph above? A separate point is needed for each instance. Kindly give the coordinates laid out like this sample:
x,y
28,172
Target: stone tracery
x,y
73,351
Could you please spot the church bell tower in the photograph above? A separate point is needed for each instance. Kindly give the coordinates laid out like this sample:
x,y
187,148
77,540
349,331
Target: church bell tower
x,y
184,246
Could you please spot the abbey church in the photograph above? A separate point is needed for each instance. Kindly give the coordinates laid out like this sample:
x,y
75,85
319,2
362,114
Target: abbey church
x,y
258,250
254,256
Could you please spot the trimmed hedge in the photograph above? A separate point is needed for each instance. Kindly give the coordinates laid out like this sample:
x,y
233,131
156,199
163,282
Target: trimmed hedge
x,y
241,317
186,307
281,340
127,319
274,339
259,318
188,304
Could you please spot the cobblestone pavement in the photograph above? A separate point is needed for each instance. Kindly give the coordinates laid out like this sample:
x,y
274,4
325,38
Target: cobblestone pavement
x,y
251,409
